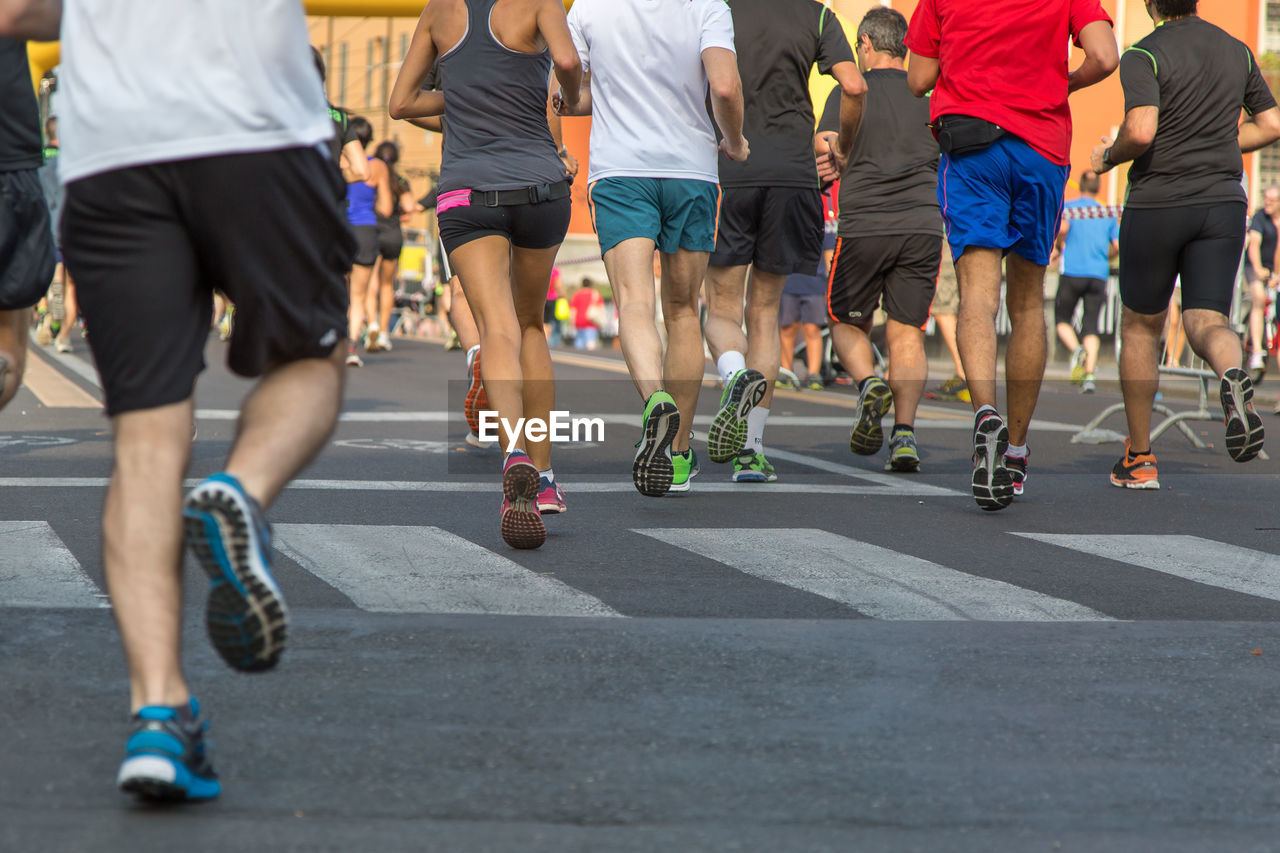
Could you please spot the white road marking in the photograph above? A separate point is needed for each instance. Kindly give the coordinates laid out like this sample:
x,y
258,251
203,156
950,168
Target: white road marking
x,y
874,581
392,569
37,570
1190,557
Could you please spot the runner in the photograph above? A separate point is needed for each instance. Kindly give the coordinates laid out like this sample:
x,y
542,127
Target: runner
x,y
652,185
61,298
771,215
1263,271
26,241
366,201
998,74
1185,214
890,241
262,223
381,300
344,147
1086,247
503,205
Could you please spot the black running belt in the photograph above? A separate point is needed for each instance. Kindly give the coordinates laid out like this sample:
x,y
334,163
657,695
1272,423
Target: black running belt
x,y
528,195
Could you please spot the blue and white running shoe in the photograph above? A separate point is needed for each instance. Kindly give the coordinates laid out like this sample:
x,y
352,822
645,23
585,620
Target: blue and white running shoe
x,y
166,757
227,532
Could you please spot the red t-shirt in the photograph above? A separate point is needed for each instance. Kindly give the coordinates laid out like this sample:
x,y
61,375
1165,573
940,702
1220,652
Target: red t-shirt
x,y
1005,61
581,302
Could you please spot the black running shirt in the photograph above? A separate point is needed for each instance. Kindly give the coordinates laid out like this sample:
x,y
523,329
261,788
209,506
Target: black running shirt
x,y
1200,77
778,43
20,143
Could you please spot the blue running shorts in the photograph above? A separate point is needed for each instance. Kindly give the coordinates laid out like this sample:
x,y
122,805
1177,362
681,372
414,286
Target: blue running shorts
x,y
1007,196
675,213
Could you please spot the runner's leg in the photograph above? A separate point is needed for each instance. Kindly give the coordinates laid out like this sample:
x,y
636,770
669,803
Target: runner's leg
x,y
908,371
1139,372
764,294
459,315
682,276
13,352
530,273
726,291
629,266
1028,347
978,271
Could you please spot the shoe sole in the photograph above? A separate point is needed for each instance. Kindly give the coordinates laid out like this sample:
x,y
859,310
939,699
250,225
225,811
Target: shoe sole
x,y
245,616
652,472
1245,434
158,779
477,400
905,466
522,526
728,433
992,481
752,477
1136,485
867,436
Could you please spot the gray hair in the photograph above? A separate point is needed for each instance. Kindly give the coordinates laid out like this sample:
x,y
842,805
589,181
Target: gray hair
x,y
887,30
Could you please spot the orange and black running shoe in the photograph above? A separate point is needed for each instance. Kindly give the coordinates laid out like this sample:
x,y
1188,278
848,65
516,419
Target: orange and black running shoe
x,y
1135,472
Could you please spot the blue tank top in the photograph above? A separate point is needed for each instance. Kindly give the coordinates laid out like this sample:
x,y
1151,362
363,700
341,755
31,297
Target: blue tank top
x,y
360,201
495,130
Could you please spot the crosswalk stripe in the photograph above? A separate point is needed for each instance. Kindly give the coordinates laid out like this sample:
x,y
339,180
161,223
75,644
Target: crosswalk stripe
x,y
396,569
37,570
875,581
1189,557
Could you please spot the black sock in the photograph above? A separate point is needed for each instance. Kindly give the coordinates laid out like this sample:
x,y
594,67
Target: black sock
x,y
904,428
1135,453
863,384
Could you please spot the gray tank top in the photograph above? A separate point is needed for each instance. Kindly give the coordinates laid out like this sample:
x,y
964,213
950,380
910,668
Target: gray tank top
x,y
495,129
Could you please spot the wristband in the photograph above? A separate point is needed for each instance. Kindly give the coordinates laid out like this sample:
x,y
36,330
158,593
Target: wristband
x,y
1106,159
563,151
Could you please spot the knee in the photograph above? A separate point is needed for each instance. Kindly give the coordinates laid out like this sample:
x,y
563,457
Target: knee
x,y
12,369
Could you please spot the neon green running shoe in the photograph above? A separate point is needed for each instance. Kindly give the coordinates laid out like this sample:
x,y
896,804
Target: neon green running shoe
x,y
904,457
752,467
686,468
652,470
874,400
728,434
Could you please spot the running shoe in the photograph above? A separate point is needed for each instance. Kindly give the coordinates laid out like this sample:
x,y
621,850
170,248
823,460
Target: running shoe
x,y
1244,425
477,400
62,344
653,470
1087,385
904,456
44,330
522,525
786,381
992,480
685,468
166,758
452,343
245,615
874,401
373,340
1077,365
954,388
728,433
384,342
813,382
1135,472
1258,361
751,467
550,497
1017,466
224,327
353,358
478,443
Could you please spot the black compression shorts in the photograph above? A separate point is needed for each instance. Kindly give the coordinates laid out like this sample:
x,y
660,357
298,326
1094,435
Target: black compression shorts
x,y
26,241
526,226
1072,289
1201,243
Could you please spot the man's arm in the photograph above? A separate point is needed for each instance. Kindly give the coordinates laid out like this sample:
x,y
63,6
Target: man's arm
x,y
562,106
1254,250
853,99
1135,137
725,83
922,74
1101,56
1261,131
37,20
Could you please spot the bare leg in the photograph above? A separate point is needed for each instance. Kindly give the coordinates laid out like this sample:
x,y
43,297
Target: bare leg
x,y
978,271
70,306
449,293
1212,339
460,317
764,295
812,347
788,336
947,328
682,275
531,273
1139,372
142,548
387,272
853,345
13,352
1175,336
630,268
359,293
726,294
371,293
909,369
1028,345
1091,346
1067,335
1257,312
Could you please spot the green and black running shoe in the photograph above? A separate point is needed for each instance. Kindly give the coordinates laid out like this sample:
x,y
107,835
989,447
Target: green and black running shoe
x,y
874,401
652,471
686,468
904,457
728,434
751,467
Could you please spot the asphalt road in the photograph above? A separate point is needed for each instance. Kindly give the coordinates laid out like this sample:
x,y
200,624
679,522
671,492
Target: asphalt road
x,y
841,660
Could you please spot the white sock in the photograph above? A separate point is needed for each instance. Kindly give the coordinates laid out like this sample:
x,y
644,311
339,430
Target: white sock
x,y
755,428
978,414
549,474
1018,451
729,364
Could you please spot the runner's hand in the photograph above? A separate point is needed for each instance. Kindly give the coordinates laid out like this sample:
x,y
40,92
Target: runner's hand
x,y
1096,159
561,106
737,153
828,169
570,163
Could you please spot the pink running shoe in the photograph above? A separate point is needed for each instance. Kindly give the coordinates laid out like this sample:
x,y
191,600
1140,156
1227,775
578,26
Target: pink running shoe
x,y
550,497
522,525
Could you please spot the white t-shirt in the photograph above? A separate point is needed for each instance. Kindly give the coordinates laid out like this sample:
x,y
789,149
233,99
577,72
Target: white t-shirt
x,y
150,81
648,86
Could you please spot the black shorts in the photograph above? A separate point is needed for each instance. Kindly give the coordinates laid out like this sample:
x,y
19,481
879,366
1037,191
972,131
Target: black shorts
x,y
776,229
1202,243
390,239
366,245
526,226
1071,289
808,308
900,268
26,241
149,244
549,312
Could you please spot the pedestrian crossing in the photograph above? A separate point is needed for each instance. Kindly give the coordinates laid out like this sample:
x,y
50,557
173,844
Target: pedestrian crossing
x,y
429,570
